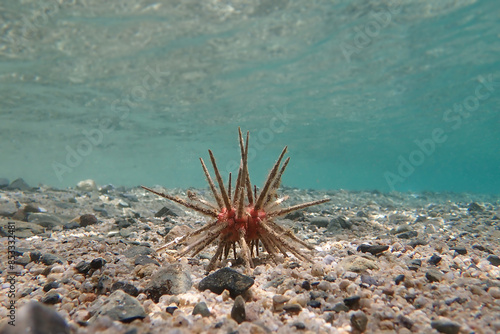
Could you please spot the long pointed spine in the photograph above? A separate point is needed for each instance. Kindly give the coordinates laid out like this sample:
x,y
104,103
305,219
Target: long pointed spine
x,y
212,185
220,182
269,181
205,211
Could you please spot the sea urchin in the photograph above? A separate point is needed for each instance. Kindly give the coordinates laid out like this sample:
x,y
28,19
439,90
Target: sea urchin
x,y
242,216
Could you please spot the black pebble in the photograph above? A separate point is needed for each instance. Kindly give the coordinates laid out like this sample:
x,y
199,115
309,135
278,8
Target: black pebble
x,y
35,256
314,303
83,267
399,279
226,279
459,250
306,285
434,260
97,263
51,298
171,309
372,249
299,325
352,302
126,287
494,260
49,286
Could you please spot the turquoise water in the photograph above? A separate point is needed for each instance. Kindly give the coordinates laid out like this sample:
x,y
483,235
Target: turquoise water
x,y
388,95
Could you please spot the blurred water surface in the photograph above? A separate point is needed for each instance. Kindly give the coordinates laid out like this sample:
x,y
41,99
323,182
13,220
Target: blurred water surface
x,y
389,94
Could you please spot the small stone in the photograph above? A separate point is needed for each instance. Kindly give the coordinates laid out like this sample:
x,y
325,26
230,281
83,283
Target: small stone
x,y
399,279
494,260
372,249
83,267
352,302
359,320
292,308
494,292
35,317
434,260
87,219
170,280
165,212
408,235
318,269
459,250
43,219
306,285
49,259
314,303
142,260
338,224
238,311
51,298
51,285
299,325
171,309
340,307
433,275
446,326
35,256
202,309
135,250
19,184
126,287
320,221
97,263
368,280
475,208
278,302
226,279
122,307
86,185
71,225
358,264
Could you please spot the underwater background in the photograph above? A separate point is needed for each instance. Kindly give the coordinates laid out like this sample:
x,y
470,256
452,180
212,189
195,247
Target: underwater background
x,y
387,95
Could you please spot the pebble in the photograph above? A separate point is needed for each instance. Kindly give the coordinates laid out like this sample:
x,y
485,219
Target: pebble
x,y
434,275
358,264
238,310
173,279
446,326
19,184
459,250
97,263
359,320
87,219
292,308
434,260
352,302
372,249
51,297
49,259
494,260
202,309
226,279
126,287
44,319
86,185
122,307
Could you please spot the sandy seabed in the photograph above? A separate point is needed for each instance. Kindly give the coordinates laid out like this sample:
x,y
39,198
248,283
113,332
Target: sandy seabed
x,y
83,260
